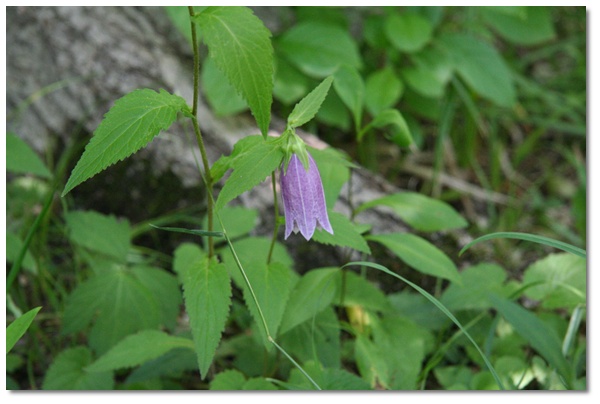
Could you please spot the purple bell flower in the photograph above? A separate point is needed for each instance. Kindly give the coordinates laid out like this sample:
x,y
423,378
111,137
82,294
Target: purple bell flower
x,y
303,198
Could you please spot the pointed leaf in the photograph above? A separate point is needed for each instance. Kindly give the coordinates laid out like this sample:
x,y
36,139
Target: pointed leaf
x,y
383,89
250,169
308,107
131,124
137,349
20,158
419,254
18,327
240,45
207,293
351,89
391,117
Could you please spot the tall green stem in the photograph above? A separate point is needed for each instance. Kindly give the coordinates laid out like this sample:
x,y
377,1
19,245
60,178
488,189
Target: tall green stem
x,y
205,163
276,226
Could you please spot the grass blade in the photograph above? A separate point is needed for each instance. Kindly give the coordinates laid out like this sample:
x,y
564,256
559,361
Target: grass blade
x,y
439,305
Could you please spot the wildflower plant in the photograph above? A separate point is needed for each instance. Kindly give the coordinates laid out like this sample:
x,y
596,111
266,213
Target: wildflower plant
x,y
295,318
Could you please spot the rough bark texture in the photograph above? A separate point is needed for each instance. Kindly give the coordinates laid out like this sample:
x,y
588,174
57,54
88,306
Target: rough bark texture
x,y
67,65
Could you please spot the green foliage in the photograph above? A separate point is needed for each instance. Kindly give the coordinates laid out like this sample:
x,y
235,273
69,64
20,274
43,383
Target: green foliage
x,y
137,349
220,94
19,327
131,124
22,160
250,168
345,234
240,46
408,32
207,294
306,109
68,372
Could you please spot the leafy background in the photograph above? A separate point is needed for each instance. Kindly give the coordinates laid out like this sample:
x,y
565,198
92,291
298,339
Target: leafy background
x,y
478,113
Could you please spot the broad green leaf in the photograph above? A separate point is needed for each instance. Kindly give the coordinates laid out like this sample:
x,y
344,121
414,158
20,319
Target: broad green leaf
x,y
67,372
393,118
240,45
424,81
541,337
408,32
383,89
220,94
137,349
560,281
250,169
225,163
207,293
534,25
312,294
320,339
481,67
326,378
334,168
419,211
99,233
417,308
258,383
131,124
272,285
344,234
164,288
120,303
318,48
453,377
358,291
351,89
290,84
17,328
307,108
419,254
21,159
250,249
231,379
514,371
529,237
476,284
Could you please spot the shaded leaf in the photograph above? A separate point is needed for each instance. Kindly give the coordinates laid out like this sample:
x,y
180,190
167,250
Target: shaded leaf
x,y
132,123
17,328
307,108
67,372
408,32
344,234
383,89
220,94
21,159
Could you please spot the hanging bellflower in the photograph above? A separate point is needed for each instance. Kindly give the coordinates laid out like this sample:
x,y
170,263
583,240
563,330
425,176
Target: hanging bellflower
x,y
302,194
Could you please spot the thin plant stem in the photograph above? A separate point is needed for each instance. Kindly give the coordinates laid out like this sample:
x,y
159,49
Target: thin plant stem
x,y
276,226
198,133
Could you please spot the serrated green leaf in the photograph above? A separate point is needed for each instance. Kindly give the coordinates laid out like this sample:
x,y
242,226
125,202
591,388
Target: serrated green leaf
x,y
354,290
351,89
311,295
67,372
207,293
99,233
344,234
231,379
21,159
531,27
391,117
419,254
326,378
308,107
250,169
138,348
563,281
220,94
318,48
17,328
383,89
121,303
419,211
481,67
542,337
225,163
240,45
132,123
408,32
